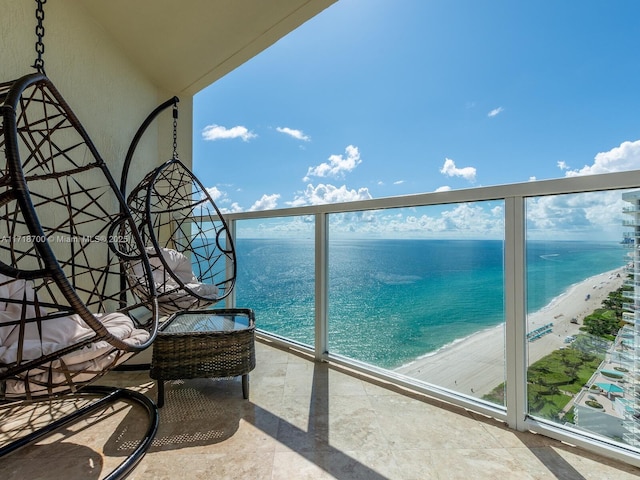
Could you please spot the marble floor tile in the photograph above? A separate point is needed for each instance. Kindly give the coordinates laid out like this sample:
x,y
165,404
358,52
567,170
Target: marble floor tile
x,y
302,420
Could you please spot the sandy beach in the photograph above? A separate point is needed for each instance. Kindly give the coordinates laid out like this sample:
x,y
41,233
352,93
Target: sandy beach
x,y
475,365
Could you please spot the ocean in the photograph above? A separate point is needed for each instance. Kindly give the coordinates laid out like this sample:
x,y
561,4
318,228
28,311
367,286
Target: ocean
x,y
392,301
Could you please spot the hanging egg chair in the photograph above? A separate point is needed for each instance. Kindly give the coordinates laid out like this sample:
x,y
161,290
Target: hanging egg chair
x,y
67,317
69,313
186,237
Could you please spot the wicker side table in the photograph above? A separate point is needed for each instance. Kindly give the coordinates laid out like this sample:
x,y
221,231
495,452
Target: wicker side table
x,y
217,343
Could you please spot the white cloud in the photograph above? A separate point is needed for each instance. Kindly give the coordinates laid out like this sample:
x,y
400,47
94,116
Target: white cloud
x,y
618,159
532,179
576,215
497,211
218,132
398,182
297,134
337,165
215,193
449,168
325,193
472,218
495,111
218,196
267,202
465,220
233,208
580,215
444,188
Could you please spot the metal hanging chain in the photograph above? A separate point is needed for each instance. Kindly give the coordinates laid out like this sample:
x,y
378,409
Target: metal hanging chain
x,y
39,63
175,130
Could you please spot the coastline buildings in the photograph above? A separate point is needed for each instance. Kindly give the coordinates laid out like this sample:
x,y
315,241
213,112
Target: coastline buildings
x,y
628,339
610,406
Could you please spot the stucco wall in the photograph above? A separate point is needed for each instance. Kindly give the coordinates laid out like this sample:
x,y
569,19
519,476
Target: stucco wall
x,y
105,90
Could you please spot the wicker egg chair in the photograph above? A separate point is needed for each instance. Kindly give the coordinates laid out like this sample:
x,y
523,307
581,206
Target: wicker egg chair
x,y
190,248
68,315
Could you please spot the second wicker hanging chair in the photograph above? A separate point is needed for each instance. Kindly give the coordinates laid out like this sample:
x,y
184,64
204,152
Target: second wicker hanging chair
x,y
190,248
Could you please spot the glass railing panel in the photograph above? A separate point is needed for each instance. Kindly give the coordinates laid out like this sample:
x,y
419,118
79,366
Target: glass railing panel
x,y
275,259
420,291
578,358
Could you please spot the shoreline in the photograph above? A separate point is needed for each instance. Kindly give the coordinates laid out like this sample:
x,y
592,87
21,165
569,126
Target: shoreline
x,y
475,364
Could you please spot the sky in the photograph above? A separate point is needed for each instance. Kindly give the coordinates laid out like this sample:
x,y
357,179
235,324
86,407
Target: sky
x,y
379,98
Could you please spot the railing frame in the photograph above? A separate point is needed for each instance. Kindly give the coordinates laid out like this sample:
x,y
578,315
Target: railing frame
x,y
514,196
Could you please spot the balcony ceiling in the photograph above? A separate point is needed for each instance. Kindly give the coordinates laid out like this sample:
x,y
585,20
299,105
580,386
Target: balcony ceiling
x,y
184,46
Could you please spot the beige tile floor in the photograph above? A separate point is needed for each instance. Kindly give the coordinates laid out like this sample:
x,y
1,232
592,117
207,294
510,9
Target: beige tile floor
x,y
303,420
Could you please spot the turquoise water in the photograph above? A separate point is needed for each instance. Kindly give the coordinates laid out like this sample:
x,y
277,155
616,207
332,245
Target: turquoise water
x,y
391,301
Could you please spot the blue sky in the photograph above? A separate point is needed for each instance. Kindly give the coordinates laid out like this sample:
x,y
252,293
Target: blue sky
x,y
378,98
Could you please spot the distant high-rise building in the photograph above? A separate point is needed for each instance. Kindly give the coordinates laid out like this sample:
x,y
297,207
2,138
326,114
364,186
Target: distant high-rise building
x,y
629,335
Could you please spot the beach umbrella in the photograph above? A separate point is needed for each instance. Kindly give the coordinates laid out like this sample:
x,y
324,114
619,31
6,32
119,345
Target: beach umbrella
x,y
610,387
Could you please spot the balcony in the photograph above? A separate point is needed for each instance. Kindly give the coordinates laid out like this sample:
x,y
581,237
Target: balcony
x,y
632,284
316,411
319,410
629,317
305,419
322,272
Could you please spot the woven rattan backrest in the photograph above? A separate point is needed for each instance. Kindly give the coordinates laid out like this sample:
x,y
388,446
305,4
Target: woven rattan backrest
x,y
173,210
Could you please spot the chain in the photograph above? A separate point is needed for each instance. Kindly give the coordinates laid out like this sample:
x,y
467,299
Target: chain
x,y
39,63
175,130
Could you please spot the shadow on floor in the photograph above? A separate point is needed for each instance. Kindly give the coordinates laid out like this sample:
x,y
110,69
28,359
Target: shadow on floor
x,y
62,458
203,412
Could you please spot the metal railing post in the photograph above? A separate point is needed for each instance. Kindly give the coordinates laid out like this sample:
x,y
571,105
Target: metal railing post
x,y
515,313
321,286
230,301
